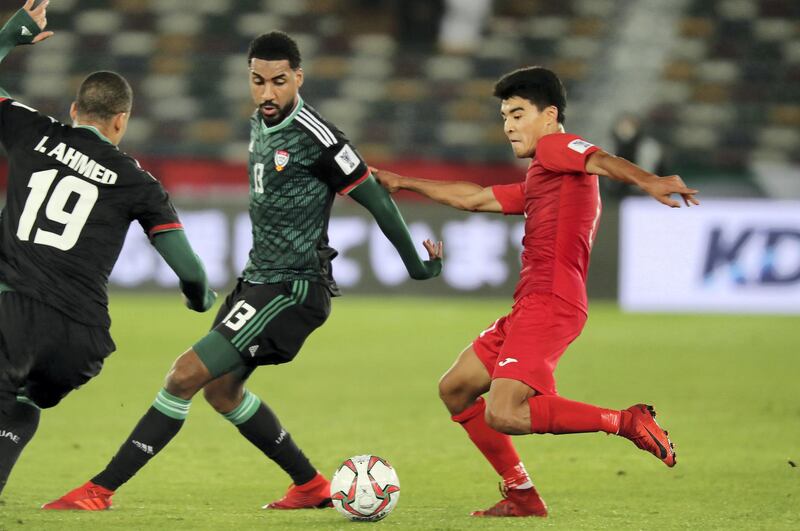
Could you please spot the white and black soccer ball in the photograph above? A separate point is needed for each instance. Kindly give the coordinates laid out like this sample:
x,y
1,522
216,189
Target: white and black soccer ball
x,y
365,488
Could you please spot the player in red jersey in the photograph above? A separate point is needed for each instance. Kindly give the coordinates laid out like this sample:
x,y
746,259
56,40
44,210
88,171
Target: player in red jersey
x,y
514,359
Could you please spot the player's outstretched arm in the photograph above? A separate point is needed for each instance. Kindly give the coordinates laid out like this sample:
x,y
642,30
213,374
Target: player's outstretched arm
x,y
25,27
374,198
174,248
457,194
660,188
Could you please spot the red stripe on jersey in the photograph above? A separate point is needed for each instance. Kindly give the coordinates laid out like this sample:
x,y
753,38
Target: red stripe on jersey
x,y
163,228
355,184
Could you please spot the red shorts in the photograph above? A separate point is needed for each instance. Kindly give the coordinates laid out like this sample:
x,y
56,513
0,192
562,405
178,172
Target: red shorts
x,y
526,344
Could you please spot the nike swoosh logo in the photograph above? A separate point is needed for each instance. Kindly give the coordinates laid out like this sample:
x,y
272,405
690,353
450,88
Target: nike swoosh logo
x,y
660,446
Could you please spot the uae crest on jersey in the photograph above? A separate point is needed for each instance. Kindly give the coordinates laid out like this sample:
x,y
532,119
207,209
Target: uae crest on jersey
x,y
281,159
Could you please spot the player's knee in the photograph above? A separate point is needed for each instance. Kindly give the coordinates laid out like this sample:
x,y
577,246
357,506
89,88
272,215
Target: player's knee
x,y
502,420
454,394
446,388
186,377
45,397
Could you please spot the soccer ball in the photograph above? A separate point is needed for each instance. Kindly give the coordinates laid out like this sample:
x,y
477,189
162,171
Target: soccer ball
x,y
365,488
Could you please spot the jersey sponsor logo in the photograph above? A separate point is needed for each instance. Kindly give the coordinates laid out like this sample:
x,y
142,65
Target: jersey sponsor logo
x,y
347,160
253,350
77,161
25,32
4,434
579,145
507,361
281,159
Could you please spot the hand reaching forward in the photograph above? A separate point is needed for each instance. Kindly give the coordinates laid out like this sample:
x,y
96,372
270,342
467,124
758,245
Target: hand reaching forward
x,y
662,188
389,180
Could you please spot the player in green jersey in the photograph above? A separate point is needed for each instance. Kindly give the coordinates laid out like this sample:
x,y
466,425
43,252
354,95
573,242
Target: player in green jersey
x,y
70,199
298,163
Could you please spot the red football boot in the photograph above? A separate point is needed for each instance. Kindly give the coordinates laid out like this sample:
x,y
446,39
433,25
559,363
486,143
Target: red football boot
x,y
87,497
316,494
517,502
641,428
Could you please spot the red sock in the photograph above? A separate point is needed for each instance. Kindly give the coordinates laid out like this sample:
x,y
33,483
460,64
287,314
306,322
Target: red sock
x,y
496,447
553,414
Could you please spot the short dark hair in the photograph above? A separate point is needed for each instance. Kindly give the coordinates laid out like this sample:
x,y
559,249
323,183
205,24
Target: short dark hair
x,y
274,46
103,95
536,84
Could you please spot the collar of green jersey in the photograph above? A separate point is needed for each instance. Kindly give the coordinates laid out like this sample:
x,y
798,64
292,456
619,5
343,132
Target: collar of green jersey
x,y
96,131
286,121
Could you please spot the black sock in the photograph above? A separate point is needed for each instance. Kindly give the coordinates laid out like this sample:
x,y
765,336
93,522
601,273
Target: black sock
x,y
19,419
260,426
156,429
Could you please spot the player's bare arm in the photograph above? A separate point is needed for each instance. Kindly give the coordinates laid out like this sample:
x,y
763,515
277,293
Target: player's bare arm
x,y
660,188
457,194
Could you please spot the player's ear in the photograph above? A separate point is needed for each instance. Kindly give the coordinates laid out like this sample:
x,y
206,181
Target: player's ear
x,y
299,76
73,111
552,113
120,121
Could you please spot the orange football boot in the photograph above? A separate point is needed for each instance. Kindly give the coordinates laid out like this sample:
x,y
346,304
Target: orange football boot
x,y
516,502
87,497
316,494
641,428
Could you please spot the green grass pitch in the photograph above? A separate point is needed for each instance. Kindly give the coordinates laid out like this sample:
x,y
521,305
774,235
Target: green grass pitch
x,y
725,386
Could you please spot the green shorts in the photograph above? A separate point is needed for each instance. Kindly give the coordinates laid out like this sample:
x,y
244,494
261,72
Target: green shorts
x,y
263,324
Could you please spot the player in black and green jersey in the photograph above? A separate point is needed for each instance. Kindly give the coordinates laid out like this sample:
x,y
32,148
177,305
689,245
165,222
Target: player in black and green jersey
x,y
71,197
298,163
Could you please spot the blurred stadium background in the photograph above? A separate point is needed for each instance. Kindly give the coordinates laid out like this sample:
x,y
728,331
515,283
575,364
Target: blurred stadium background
x,y
705,88
709,89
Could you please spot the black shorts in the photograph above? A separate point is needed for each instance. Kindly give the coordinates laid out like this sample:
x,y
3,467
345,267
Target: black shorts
x,y
268,323
43,353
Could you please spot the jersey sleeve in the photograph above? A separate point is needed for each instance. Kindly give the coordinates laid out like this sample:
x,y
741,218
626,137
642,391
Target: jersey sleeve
x,y
153,209
564,153
341,167
511,197
19,122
